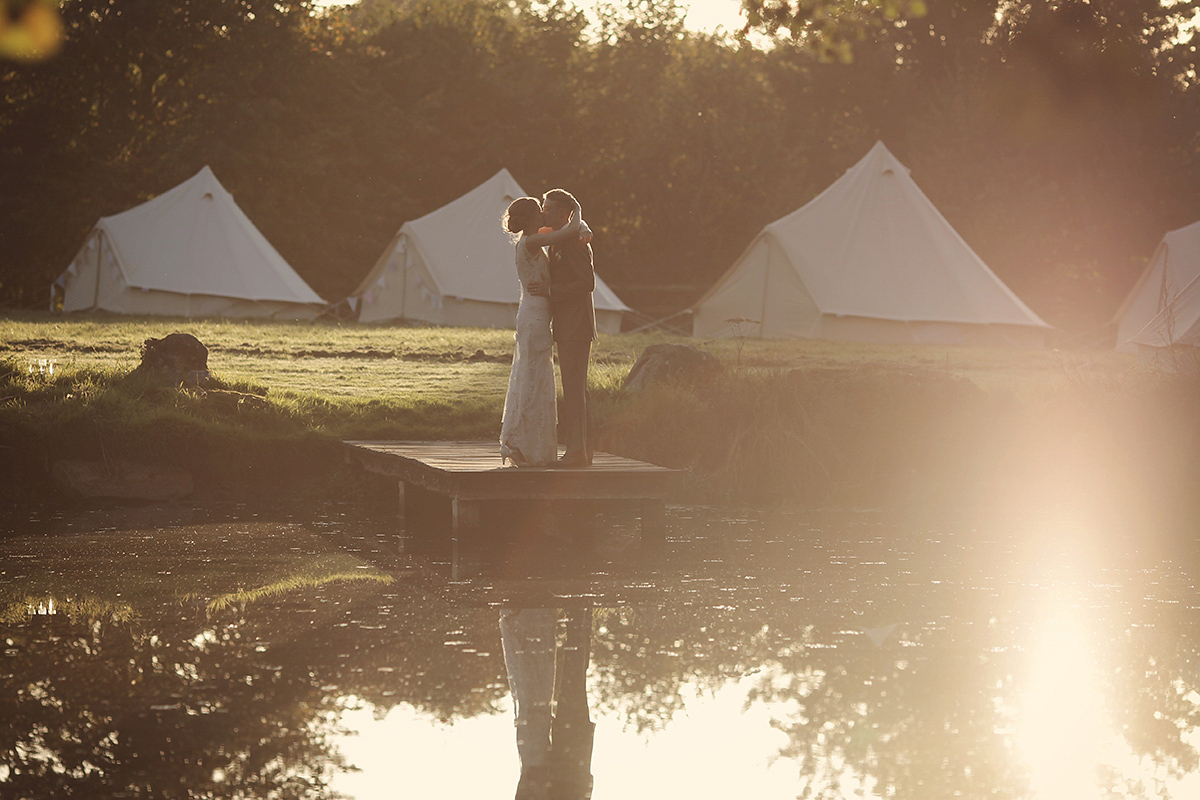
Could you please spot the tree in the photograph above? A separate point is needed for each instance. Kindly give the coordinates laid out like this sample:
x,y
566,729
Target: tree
x,y
1057,137
828,28
103,124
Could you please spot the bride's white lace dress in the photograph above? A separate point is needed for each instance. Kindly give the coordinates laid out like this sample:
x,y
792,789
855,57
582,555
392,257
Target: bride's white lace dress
x,y
527,433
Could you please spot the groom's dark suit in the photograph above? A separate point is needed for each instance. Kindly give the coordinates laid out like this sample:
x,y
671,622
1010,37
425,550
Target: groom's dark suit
x,y
573,320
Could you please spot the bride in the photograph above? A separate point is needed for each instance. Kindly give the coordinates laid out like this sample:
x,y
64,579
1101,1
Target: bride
x,y
527,436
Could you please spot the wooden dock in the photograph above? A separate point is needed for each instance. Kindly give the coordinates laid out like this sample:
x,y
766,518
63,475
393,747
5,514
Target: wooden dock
x,y
470,475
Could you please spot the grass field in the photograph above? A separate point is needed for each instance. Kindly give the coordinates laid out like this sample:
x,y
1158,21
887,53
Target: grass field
x,y
450,364
803,421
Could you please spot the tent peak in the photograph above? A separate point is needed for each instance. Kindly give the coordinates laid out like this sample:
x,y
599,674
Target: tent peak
x,y
206,174
505,178
884,159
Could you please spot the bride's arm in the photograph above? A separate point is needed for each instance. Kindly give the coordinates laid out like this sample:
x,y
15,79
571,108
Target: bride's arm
x,y
564,234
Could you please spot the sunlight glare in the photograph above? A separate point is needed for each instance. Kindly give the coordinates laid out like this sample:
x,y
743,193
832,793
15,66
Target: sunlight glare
x,y
717,746
409,748
709,15
1061,735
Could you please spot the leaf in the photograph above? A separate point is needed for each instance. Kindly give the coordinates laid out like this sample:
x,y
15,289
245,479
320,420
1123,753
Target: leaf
x,y
35,35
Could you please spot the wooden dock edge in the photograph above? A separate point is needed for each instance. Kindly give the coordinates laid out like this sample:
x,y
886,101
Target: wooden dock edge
x,y
469,474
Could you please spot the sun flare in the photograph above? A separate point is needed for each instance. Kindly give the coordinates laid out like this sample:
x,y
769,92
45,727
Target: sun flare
x,y
1061,733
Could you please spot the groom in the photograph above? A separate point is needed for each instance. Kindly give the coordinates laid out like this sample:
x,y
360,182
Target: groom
x,y
573,320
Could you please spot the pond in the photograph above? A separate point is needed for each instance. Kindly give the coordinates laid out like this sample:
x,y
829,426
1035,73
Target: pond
x,y
237,651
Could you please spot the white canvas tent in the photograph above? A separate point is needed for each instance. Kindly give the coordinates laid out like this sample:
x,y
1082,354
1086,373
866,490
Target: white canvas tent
x,y
1177,325
456,266
189,252
868,259
1174,265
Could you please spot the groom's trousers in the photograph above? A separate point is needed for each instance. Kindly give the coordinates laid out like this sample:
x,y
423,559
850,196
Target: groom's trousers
x,y
575,419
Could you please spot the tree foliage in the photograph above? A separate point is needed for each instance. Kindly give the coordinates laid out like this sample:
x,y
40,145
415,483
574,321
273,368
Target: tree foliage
x,y
1056,135
828,28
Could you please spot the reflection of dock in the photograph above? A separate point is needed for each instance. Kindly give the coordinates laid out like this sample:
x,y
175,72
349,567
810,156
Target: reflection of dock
x,y
469,475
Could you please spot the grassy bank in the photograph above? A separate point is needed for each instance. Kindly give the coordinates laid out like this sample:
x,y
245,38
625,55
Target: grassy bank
x,y
810,422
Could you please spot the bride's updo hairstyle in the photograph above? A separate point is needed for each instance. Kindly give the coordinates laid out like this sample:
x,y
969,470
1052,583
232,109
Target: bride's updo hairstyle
x,y
521,214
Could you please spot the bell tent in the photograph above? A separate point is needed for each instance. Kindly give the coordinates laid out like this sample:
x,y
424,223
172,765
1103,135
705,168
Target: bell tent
x,y
189,252
455,266
1176,326
868,259
1174,265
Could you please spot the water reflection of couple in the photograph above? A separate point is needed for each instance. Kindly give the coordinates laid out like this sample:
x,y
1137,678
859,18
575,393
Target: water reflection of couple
x,y
549,689
555,309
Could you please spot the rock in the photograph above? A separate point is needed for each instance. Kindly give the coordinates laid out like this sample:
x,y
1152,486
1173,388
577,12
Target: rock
x,y
661,362
177,357
197,378
121,480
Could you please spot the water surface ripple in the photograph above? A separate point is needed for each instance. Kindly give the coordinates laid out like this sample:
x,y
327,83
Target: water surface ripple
x,y
262,653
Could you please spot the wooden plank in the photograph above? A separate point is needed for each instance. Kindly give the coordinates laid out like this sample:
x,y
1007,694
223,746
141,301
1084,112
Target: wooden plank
x,y
472,470
484,457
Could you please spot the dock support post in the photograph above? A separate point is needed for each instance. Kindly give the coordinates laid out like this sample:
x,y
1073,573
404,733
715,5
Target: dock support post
x,y
465,517
464,532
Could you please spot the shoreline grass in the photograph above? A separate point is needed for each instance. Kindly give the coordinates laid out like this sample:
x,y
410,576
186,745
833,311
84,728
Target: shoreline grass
x,y
810,423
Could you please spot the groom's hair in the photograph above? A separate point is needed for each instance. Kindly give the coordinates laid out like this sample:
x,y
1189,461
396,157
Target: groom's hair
x,y
560,197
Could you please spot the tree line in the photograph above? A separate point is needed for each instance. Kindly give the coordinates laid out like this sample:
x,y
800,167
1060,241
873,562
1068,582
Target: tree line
x,y
1057,136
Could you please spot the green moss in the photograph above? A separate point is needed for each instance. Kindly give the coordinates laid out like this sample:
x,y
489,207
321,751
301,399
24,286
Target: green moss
x,y
143,568
242,597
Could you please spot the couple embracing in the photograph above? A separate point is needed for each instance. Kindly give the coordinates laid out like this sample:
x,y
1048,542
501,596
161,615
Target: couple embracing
x,y
554,266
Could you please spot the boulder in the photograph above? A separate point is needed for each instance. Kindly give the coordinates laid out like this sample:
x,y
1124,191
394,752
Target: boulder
x,y
662,362
121,480
177,357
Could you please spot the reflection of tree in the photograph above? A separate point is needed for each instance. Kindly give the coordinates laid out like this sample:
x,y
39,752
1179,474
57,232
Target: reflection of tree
x,y
168,699
924,722
913,722
1156,692
97,709
240,704
399,645
642,657
176,696
932,715
370,635
935,710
